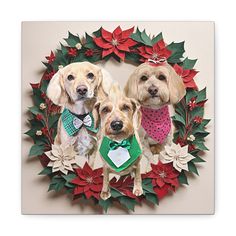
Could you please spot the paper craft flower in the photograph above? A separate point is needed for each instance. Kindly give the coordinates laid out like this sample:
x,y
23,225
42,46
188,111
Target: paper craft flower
x,y
176,154
51,58
72,52
164,178
62,158
187,76
88,181
157,52
117,42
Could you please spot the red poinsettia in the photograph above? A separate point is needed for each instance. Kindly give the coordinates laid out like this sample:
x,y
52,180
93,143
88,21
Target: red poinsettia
x,y
187,76
51,58
88,181
157,52
124,185
72,52
164,178
117,42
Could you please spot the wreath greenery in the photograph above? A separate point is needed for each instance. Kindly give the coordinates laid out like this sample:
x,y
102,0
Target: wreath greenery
x,y
130,47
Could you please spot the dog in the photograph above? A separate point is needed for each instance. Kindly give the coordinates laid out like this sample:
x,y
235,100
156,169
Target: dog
x,y
119,144
155,87
76,87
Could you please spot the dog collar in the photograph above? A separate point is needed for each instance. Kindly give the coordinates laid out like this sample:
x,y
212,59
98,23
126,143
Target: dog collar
x,y
73,123
120,155
156,123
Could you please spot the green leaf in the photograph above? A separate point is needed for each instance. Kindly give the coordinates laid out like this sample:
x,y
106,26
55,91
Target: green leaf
x,y
197,111
53,119
115,193
205,122
201,146
98,33
189,64
178,118
127,202
201,96
46,171
198,159
44,85
145,39
137,36
105,204
63,50
72,40
35,110
36,150
177,50
147,186
180,109
157,38
192,168
152,198
69,177
183,178
57,183
190,94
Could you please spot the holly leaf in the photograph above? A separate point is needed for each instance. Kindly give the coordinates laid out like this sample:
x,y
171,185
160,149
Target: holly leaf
x,y
98,32
146,39
157,38
183,178
205,122
201,96
36,150
127,202
152,198
197,159
46,171
53,119
190,94
137,36
192,168
178,118
57,183
200,145
188,64
147,186
105,204
63,50
115,193
72,39
177,50
197,111
35,110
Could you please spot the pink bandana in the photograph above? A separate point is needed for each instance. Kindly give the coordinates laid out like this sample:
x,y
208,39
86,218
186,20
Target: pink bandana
x,y
156,123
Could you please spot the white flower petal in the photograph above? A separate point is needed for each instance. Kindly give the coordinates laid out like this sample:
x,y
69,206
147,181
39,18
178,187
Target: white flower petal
x,y
57,164
176,166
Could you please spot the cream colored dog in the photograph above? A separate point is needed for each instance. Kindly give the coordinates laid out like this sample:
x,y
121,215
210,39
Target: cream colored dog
x,y
76,88
155,87
120,119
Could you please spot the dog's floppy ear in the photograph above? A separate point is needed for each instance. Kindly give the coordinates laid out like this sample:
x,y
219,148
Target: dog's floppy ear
x,y
131,87
55,90
176,86
104,85
96,115
137,115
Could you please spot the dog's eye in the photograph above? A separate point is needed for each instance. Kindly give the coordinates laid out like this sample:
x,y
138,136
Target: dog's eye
x,y
106,110
161,77
70,77
125,108
90,75
144,78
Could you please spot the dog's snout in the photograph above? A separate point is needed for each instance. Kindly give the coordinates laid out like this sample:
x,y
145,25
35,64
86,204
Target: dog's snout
x,y
116,125
153,90
82,90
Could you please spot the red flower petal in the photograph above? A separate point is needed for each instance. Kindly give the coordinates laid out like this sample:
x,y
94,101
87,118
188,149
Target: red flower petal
x,y
96,188
102,43
78,190
178,69
160,182
106,35
79,182
87,169
130,42
88,194
119,54
161,192
123,47
127,33
117,32
107,52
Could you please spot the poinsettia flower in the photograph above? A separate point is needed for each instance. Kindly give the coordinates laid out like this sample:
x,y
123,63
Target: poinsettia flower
x,y
62,158
72,52
51,58
158,52
198,119
117,42
164,178
176,155
88,181
187,76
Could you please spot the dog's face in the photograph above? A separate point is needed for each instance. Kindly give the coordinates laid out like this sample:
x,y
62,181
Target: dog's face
x,y
75,82
155,86
118,115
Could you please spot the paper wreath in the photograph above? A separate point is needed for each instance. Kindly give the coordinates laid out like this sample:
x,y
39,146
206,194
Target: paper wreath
x,y
83,182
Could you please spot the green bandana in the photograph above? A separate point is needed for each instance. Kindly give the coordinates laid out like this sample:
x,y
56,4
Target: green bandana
x,y
120,155
73,123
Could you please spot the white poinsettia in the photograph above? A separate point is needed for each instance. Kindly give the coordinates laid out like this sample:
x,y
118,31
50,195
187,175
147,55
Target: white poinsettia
x,y
176,154
62,158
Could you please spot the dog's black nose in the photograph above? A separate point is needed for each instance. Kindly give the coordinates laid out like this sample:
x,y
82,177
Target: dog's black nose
x,y
116,125
153,90
82,90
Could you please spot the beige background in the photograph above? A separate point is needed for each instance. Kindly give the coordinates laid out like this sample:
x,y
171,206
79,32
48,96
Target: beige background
x,y
38,38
